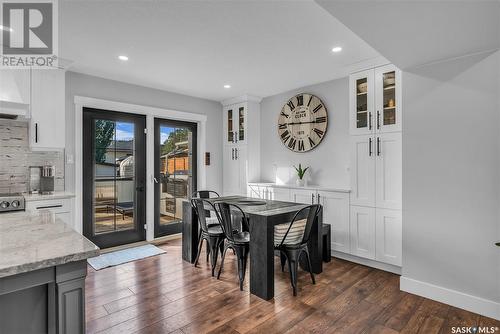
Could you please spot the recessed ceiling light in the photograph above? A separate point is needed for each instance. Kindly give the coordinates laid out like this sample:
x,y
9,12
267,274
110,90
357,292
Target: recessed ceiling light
x,y
124,58
227,86
337,49
6,28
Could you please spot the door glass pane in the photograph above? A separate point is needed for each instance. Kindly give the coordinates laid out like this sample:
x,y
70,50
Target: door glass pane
x,y
241,123
175,172
361,103
114,176
230,133
389,98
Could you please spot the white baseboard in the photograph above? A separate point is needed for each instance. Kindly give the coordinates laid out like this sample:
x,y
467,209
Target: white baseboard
x,y
367,262
455,298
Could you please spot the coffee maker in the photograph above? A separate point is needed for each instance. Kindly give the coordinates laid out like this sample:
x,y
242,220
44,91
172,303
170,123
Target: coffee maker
x,y
47,179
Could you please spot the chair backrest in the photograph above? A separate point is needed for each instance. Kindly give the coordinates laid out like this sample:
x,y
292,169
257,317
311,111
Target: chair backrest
x,y
200,206
310,212
205,193
231,217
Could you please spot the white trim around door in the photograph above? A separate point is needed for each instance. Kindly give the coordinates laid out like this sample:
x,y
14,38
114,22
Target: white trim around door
x,y
151,113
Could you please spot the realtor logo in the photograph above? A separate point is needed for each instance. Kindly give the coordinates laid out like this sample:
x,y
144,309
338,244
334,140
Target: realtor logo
x,y
28,33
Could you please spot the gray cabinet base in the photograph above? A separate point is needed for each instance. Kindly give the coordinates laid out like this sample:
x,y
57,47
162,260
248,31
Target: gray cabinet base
x,y
49,300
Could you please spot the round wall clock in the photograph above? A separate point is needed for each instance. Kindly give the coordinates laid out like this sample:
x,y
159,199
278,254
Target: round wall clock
x,y
302,122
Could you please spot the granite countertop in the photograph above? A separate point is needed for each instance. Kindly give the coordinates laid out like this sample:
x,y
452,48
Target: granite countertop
x,y
39,197
309,187
34,241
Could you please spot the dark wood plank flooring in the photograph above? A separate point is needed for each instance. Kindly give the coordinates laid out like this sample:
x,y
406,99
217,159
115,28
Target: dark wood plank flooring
x,y
164,294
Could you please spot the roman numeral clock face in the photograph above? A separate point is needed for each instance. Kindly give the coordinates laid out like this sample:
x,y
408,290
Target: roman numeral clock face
x,y
302,122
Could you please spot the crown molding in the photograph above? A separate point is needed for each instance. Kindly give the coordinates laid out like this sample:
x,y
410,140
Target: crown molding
x,y
242,98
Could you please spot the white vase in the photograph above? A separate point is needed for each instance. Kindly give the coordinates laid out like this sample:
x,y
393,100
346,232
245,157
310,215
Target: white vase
x,y
300,182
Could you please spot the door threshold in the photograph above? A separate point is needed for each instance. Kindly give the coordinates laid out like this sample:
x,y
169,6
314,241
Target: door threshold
x,y
162,240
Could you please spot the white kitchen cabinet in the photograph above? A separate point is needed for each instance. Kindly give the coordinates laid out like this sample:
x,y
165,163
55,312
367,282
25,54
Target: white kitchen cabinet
x,y
362,231
363,170
235,123
47,124
336,214
278,194
387,99
389,236
389,171
234,178
305,196
362,99
62,208
375,101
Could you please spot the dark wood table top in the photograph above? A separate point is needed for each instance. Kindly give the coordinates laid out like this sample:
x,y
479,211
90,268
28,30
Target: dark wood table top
x,y
261,207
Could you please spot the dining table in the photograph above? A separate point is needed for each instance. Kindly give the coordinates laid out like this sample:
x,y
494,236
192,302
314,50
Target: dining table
x,y
263,215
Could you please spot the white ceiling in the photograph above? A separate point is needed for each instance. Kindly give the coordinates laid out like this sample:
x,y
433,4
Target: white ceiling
x,y
411,33
260,48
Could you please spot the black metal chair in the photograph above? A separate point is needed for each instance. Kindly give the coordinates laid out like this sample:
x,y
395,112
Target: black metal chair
x,y
212,234
233,221
210,219
291,239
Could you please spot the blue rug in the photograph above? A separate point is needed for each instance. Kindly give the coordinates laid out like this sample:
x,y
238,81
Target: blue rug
x,y
124,256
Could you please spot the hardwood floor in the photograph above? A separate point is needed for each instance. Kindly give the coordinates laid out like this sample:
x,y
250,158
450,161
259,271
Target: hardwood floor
x,y
164,294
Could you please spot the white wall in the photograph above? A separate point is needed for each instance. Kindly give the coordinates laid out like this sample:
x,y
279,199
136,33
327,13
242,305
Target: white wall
x,y
330,159
451,176
89,86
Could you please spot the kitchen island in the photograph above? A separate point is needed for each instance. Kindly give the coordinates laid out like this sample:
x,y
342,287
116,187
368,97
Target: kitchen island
x,y
42,274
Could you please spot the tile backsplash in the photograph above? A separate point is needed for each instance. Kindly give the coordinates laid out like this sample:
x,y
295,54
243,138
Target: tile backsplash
x,y
16,158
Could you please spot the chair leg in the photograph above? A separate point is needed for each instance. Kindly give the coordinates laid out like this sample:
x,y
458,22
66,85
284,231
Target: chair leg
x,y
293,266
309,265
283,261
208,251
241,254
200,244
214,252
222,261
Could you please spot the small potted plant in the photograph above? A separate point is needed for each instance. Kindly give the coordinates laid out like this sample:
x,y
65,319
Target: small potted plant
x,y
300,175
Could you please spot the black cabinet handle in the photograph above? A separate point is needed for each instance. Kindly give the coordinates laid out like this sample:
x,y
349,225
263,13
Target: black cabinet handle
x,y
312,198
49,206
378,119
370,120
378,146
36,132
370,147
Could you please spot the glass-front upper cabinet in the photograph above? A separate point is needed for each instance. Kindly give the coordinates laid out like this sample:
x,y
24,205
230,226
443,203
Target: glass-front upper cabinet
x,y
375,101
361,102
235,124
388,99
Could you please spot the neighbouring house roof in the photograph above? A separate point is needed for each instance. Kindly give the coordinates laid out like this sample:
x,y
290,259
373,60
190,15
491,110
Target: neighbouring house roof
x,y
121,145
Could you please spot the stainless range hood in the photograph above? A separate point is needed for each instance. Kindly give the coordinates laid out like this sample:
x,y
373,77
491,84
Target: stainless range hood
x,y
15,93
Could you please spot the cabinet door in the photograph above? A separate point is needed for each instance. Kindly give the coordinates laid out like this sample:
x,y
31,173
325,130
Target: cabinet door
x,y
241,124
304,196
242,166
336,214
389,171
389,236
387,99
229,124
279,194
47,126
361,96
363,170
231,176
362,231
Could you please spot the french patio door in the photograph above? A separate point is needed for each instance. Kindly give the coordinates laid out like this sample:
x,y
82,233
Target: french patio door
x,y
174,172
114,169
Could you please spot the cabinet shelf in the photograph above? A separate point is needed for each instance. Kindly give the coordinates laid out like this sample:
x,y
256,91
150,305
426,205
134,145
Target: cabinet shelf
x,y
362,112
361,94
390,87
389,108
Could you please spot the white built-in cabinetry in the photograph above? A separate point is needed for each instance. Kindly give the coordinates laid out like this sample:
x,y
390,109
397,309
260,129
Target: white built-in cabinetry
x,y
47,123
37,95
335,204
376,165
241,144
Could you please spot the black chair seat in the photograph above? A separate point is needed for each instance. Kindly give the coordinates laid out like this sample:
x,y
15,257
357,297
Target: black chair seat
x,y
241,238
215,230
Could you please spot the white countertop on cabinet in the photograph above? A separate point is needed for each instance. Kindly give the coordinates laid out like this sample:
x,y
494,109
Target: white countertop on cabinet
x,y
308,187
